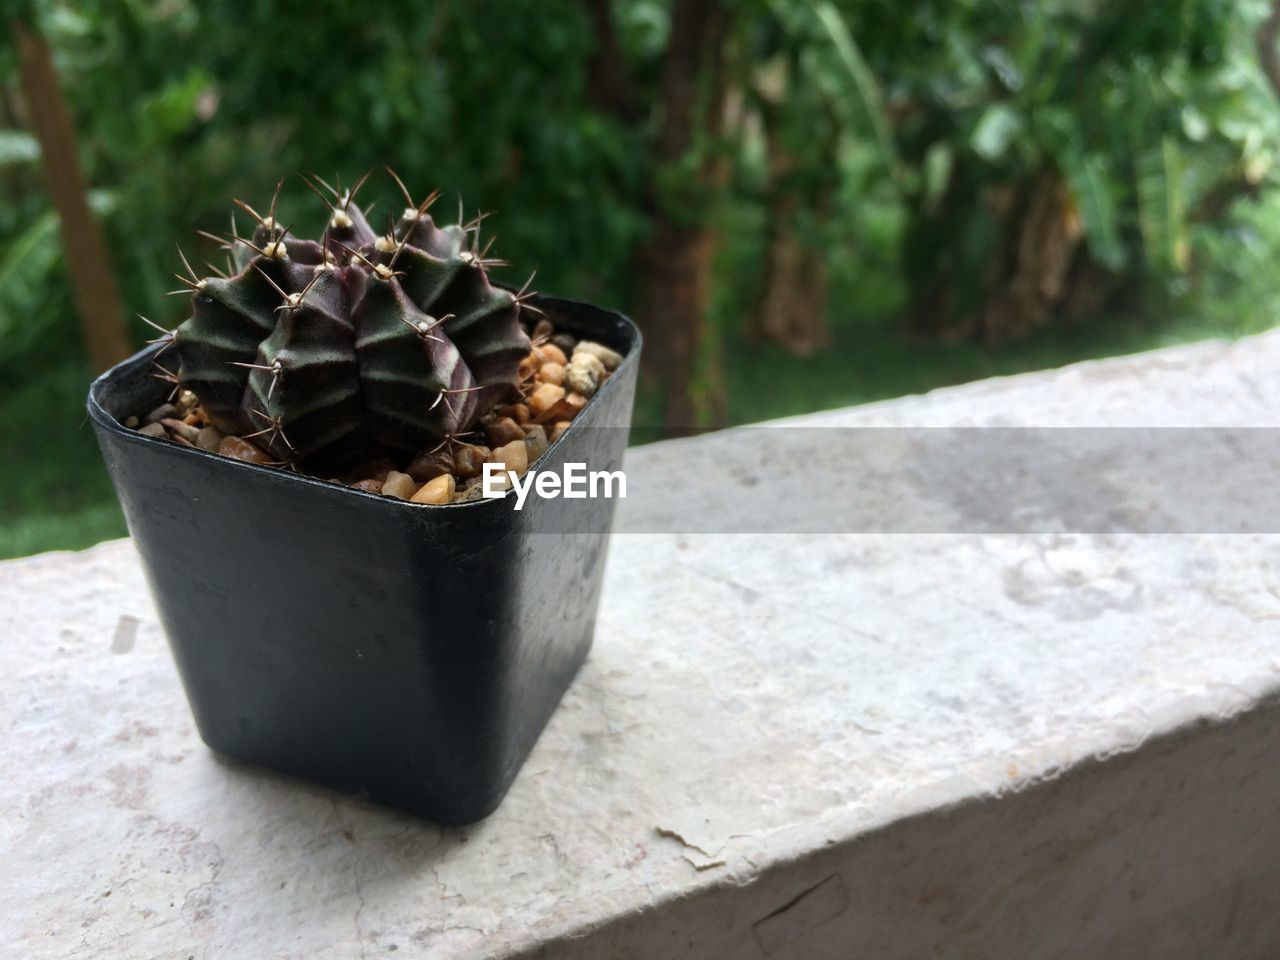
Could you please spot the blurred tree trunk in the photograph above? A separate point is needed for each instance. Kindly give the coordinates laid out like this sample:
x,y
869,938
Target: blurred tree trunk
x,y
998,261
94,285
607,86
1268,53
674,268
1027,282
792,309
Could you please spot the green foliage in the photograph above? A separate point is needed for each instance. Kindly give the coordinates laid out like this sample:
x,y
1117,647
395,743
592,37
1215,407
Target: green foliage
x,y
1116,97
55,493
28,262
1239,290
29,266
183,105
1142,106
864,87
1148,111
17,147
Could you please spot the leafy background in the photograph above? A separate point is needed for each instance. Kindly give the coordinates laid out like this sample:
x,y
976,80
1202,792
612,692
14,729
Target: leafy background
x,y
889,196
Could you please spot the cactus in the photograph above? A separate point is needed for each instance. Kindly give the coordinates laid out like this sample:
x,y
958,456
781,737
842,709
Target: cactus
x,y
354,342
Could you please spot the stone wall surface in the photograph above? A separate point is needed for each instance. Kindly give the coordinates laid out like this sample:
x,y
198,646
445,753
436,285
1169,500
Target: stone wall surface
x,y
785,746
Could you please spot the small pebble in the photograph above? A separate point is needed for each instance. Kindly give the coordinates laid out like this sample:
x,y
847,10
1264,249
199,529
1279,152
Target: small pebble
x,y
529,366
399,485
131,422
553,354
368,486
239,449
516,411
565,342
473,491
502,431
193,419
544,398
163,412
591,362
430,464
610,358
153,430
535,440
583,375
180,429
559,428
514,456
439,490
469,460
552,373
210,439
187,401
572,406
566,409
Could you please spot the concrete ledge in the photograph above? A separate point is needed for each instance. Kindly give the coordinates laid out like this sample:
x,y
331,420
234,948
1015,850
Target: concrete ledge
x,y
1164,852
1016,746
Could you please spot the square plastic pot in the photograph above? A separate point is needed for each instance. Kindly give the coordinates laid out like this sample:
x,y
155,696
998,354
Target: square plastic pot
x,y
406,652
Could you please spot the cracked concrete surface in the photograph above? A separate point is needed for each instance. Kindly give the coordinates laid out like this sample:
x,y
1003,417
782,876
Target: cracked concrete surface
x,y
1016,746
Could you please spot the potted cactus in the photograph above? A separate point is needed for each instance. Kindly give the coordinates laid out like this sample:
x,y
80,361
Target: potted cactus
x,y
301,464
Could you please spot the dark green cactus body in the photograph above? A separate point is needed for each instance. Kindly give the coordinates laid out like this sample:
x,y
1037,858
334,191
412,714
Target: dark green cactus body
x,y
304,387
354,342
415,381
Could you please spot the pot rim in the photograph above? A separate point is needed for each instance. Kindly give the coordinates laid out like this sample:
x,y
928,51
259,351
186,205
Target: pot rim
x,y
105,421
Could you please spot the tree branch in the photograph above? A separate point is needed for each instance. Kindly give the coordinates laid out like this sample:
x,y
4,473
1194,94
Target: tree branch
x,y
1268,53
607,86
93,283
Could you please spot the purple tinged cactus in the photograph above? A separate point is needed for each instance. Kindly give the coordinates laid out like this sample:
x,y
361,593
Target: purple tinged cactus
x,y
358,341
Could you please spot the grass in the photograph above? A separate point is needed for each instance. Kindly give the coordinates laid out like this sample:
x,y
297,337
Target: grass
x,y
873,360
767,382
54,492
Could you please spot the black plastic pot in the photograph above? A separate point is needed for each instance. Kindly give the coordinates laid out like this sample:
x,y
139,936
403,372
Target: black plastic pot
x,y
410,653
